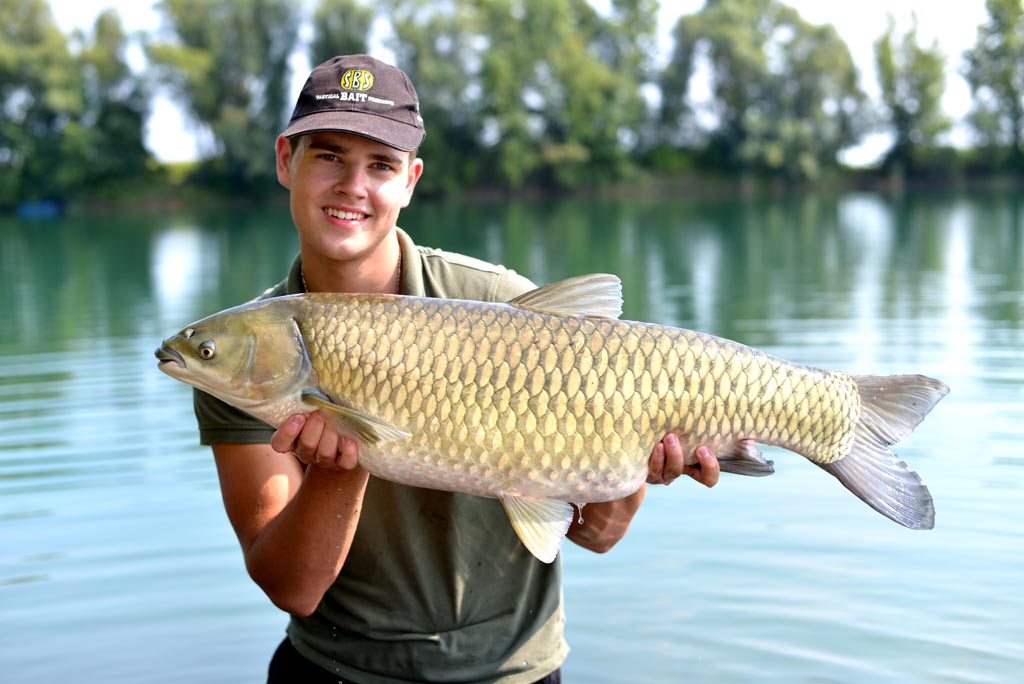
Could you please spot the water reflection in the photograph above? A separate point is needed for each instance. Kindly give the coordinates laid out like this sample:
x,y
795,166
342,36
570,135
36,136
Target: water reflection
x,y
177,270
115,542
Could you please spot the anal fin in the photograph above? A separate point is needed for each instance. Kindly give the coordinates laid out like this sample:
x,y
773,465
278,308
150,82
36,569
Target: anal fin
x,y
744,458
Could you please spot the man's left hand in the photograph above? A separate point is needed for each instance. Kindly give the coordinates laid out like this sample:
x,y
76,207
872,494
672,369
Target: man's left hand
x,y
668,462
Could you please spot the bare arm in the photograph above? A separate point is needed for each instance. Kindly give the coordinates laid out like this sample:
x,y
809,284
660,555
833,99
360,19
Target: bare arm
x,y
295,522
604,524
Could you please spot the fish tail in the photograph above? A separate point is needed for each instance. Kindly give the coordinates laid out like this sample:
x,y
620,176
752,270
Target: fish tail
x,y
891,407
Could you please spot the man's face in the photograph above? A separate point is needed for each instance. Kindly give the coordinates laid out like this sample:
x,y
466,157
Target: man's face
x,y
346,192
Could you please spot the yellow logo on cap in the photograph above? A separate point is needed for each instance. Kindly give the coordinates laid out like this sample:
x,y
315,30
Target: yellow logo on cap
x,y
357,79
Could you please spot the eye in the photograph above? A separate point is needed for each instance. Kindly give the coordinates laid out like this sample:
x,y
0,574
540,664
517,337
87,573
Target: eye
x,y
207,349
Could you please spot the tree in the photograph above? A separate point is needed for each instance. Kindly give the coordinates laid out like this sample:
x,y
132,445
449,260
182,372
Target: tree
x,y
227,62
517,92
913,80
785,97
116,104
562,86
340,27
994,69
39,96
436,43
73,111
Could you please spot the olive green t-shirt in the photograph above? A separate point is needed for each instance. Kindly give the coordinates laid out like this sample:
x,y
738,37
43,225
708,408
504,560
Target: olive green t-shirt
x,y
437,586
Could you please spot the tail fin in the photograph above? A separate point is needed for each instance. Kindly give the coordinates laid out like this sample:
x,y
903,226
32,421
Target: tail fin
x,y
891,407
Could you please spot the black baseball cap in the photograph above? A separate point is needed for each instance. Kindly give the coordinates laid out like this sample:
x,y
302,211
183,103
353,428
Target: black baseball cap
x,y
361,95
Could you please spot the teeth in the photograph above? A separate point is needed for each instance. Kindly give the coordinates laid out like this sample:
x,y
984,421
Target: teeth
x,y
344,215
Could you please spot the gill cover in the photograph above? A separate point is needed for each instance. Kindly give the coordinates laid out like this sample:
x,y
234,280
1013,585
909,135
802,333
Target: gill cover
x,y
278,359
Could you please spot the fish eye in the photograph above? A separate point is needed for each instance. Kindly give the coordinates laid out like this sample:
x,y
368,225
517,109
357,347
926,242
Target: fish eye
x,y
207,349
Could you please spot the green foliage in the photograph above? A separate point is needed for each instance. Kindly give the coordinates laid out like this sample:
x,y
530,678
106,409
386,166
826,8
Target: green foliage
x,y
785,97
38,96
995,72
913,80
228,63
116,105
543,93
517,94
340,27
434,44
72,122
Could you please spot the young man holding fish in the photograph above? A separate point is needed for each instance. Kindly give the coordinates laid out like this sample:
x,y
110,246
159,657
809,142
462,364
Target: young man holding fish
x,y
388,583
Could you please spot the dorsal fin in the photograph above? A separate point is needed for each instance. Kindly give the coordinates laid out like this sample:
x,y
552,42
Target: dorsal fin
x,y
598,295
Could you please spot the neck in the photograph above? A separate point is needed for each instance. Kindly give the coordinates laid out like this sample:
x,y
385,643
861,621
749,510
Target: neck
x,y
380,272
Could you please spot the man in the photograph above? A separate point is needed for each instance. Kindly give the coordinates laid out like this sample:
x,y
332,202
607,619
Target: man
x,y
387,583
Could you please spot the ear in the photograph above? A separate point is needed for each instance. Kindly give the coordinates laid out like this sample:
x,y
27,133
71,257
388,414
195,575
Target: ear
x,y
415,171
284,159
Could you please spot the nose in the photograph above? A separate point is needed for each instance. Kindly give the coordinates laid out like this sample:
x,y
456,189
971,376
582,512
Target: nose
x,y
351,181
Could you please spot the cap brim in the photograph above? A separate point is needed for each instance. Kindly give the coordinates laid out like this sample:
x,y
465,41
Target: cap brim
x,y
401,136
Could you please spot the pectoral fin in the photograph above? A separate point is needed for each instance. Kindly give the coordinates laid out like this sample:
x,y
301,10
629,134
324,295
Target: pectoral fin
x,y
540,523
350,422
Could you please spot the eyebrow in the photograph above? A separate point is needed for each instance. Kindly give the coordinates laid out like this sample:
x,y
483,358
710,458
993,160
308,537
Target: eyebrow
x,y
341,150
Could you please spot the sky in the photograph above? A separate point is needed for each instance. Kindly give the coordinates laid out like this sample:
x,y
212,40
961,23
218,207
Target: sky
x,y
171,137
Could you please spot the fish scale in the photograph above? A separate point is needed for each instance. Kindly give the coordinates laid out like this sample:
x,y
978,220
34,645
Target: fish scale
x,y
549,398
513,387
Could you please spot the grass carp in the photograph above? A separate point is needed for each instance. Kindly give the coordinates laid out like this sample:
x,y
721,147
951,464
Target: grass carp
x,y
547,400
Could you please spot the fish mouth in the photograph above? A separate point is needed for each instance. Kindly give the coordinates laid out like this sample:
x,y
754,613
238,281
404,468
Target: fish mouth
x,y
169,357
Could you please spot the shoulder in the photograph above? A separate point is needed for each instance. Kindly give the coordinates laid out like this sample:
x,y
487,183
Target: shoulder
x,y
278,290
292,284
457,276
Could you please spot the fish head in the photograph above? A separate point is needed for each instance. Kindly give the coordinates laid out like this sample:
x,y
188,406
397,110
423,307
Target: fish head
x,y
247,356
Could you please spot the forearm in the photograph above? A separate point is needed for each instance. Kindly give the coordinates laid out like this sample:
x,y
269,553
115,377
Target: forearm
x,y
298,554
605,523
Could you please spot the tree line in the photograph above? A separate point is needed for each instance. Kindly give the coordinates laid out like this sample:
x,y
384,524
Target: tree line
x,y
549,94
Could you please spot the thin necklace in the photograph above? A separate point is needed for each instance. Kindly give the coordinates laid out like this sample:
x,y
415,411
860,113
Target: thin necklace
x,y
398,273
398,276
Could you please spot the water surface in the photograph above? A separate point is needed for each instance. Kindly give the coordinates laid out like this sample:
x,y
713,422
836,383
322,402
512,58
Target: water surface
x,y
117,563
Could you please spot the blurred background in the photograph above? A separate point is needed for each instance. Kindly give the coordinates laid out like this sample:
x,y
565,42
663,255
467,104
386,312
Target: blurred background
x,y
181,99
837,185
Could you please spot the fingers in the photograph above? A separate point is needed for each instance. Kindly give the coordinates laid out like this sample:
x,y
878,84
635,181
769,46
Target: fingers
x,y
284,439
348,458
667,461
707,470
314,442
321,442
655,464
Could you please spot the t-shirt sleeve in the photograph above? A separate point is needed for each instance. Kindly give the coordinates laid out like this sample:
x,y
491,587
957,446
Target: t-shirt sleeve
x,y
510,285
221,423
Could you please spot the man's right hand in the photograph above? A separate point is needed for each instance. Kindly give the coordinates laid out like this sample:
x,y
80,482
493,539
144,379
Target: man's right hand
x,y
314,442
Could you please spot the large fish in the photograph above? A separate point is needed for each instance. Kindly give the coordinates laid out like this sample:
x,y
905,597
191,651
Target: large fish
x,y
547,400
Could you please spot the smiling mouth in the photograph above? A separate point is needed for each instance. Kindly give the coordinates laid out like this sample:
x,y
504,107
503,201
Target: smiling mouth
x,y
345,215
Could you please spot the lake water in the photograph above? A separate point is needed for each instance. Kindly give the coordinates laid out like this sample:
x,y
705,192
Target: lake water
x,y
117,564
